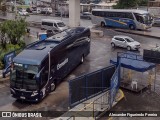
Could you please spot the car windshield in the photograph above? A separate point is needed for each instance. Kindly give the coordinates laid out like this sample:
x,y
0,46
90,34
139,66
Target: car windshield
x,y
129,39
23,77
61,24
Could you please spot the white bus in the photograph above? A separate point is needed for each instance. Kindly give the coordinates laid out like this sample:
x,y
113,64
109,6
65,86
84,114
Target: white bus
x,y
122,18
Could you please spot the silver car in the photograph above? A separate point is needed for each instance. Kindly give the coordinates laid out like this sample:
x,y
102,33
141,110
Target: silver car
x,y
125,42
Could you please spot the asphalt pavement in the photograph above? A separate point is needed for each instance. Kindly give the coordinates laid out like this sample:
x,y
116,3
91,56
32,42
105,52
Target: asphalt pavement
x,y
101,53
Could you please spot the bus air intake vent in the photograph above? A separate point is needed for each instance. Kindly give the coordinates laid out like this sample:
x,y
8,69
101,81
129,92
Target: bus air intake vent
x,y
40,47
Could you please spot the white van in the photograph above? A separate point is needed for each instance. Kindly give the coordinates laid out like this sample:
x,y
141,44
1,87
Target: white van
x,y
50,24
46,10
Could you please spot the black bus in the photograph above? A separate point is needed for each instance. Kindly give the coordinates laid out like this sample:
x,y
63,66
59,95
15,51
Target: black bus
x,y
42,65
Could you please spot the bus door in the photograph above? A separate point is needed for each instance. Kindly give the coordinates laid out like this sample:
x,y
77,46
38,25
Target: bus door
x,y
61,60
44,79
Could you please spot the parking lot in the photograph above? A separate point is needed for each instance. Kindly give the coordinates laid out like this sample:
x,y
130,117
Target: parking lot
x,y
99,57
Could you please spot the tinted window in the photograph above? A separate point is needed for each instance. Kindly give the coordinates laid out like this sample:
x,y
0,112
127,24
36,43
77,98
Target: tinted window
x,y
139,17
129,39
119,39
55,24
102,13
47,23
96,13
61,24
129,15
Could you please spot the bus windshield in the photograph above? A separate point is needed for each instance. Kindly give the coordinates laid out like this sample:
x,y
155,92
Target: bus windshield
x,y
143,18
147,19
23,77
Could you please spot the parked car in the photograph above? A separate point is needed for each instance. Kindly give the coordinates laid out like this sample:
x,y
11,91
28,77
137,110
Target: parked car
x,y
46,10
36,10
125,42
85,15
28,10
64,14
57,14
23,12
157,21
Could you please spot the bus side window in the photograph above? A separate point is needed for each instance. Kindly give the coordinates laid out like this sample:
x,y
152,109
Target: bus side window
x,y
129,15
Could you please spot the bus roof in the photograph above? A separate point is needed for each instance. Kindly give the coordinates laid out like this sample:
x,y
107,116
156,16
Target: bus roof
x,y
123,10
51,20
34,53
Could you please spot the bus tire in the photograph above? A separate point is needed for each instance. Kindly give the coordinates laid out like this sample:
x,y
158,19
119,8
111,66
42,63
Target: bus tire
x,y
82,59
102,24
53,86
131,27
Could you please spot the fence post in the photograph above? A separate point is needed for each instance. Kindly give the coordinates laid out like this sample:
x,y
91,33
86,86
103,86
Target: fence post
x,y
93,109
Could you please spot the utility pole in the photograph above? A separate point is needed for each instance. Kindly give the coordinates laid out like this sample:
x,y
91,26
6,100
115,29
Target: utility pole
x,y
61,11
147,5
15,7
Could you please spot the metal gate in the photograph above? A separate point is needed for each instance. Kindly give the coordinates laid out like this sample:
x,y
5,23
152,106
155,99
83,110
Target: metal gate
x,y
89,85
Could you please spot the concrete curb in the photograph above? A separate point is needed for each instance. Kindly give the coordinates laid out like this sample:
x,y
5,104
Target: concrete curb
x,y
4,80
132,32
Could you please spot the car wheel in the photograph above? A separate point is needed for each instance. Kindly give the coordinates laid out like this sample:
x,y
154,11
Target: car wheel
x,y
128,48
113,45
53,86
131,27
82,59
102,24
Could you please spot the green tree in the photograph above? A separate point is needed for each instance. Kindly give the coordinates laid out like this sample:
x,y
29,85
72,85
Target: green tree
x,y
122,4
3,31
126,4
16,29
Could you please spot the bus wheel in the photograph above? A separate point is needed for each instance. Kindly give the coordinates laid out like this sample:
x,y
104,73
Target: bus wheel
x,y
82,59
53,86
102,24
131,27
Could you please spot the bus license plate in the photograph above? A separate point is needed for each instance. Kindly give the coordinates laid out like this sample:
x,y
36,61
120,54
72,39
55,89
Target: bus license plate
x,y
22,97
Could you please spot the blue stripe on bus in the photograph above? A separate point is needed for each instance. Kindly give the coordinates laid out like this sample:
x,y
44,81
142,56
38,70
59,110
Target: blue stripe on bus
x,y
119,22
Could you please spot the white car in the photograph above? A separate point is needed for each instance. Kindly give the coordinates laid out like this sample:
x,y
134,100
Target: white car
x,y
157,21
23,12
125,42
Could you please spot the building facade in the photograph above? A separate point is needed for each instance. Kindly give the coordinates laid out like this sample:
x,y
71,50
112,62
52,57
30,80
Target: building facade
x,y
154,3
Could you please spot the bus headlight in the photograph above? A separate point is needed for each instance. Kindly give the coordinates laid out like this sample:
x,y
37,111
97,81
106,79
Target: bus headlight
x,y
34,93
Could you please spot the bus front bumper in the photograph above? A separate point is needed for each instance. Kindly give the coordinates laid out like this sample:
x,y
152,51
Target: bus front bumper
x,y
26,96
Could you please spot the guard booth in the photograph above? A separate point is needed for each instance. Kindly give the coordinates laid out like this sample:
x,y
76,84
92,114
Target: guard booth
x,y
136,73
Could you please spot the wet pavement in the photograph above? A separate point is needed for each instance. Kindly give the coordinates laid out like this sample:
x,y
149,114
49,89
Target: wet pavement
x,y
38,18
152,32
101,52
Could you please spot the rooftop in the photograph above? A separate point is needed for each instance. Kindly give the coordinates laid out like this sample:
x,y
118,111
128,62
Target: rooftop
x,y
35,53
123,10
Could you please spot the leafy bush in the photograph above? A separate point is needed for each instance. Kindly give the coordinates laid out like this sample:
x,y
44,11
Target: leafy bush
x,y
1,65
10,48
